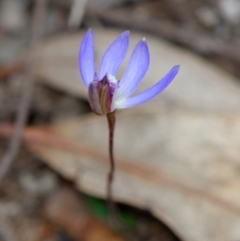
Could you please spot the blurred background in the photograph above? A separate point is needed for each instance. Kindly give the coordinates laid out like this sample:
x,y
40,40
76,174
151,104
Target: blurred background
x,y
178,175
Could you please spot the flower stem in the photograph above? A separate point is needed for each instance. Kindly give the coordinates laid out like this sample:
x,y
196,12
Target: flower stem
x,y
111,125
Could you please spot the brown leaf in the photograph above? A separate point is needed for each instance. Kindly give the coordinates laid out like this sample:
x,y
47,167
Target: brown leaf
x,y
182,165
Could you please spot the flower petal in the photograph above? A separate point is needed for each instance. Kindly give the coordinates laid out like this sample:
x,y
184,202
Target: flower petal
x,y
149,93
136,69
86,58
114,56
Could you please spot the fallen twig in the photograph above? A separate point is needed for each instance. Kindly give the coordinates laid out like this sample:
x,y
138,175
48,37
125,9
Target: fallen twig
x,y
37,30
10,154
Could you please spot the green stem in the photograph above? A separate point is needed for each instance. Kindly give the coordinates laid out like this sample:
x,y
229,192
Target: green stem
x,y
111,125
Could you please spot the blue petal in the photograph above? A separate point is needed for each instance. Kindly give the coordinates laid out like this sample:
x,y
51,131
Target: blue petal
x,y
114,56
86,58
137,68
149,93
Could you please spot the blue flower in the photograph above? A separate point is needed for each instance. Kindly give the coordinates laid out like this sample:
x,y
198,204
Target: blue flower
x,y
106,93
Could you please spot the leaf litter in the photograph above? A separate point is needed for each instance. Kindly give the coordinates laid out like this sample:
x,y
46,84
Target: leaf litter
x,y
202,106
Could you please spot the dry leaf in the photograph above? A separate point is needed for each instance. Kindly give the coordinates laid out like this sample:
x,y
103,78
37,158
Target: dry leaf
x,y
183,166
199,84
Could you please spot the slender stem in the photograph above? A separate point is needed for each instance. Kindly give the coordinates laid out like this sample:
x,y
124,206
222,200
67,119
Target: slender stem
x,y
111,125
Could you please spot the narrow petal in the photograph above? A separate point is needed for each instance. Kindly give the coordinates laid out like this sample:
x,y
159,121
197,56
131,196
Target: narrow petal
x,y
86,58
137,68
114,56
149,93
